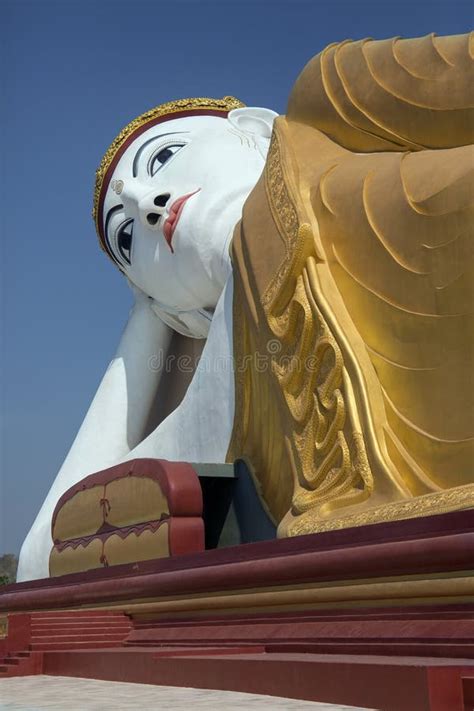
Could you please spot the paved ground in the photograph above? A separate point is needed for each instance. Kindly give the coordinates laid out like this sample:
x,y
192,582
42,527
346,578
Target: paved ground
x,y
35,693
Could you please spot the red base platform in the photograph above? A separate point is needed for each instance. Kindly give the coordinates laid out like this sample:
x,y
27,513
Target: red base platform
x,y
380,616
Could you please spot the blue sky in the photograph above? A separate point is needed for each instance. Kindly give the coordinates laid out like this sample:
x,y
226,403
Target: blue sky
x,y
74,73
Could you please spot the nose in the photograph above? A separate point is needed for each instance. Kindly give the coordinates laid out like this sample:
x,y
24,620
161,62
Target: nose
x,y
151,209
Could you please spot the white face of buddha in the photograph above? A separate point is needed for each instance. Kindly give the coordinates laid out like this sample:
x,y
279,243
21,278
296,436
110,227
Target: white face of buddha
x,y
174,199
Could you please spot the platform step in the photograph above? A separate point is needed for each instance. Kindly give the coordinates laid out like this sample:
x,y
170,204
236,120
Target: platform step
x,y
55,626
200,651
73,622
79,629
79,637
78,618
77,613
339,680
72,646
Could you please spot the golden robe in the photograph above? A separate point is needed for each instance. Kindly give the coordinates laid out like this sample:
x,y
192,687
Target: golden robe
x,y
353,304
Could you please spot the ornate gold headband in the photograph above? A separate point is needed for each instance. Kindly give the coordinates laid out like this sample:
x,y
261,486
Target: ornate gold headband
x,y
163,112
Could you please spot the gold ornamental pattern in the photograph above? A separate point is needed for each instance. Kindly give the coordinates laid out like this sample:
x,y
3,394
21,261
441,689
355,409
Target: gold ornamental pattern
x,y
285,215
328,456
326,451
458,498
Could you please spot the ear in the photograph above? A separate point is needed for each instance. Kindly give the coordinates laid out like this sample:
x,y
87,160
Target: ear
x,y
254,120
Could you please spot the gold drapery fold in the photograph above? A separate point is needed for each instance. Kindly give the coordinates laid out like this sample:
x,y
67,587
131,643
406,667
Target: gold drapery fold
x,y
361,265
390,95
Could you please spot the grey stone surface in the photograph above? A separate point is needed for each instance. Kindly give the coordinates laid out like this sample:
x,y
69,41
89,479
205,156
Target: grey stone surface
x,y
42,693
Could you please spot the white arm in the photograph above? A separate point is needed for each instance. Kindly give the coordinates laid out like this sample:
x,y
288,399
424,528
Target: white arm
x,y
113,425
199,429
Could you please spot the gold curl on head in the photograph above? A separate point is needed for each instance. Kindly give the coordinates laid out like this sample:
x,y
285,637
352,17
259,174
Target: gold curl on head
x,y
226,104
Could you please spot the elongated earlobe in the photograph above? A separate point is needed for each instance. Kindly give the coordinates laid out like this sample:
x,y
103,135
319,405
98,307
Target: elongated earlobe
x,y
253,120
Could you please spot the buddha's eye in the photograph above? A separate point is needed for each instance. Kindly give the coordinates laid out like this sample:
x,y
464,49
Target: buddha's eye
x,y
163,156
124,236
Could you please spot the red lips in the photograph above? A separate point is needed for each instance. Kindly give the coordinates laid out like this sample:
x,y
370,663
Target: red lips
x,y
173,218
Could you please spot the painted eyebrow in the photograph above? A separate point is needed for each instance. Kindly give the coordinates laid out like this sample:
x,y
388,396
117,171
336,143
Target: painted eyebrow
x,y
150,140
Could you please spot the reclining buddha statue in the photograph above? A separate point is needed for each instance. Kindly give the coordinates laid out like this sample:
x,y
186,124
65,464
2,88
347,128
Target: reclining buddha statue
x,y
324,259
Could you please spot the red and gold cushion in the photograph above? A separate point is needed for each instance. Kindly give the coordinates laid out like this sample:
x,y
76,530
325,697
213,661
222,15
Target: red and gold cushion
x,y
139,510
